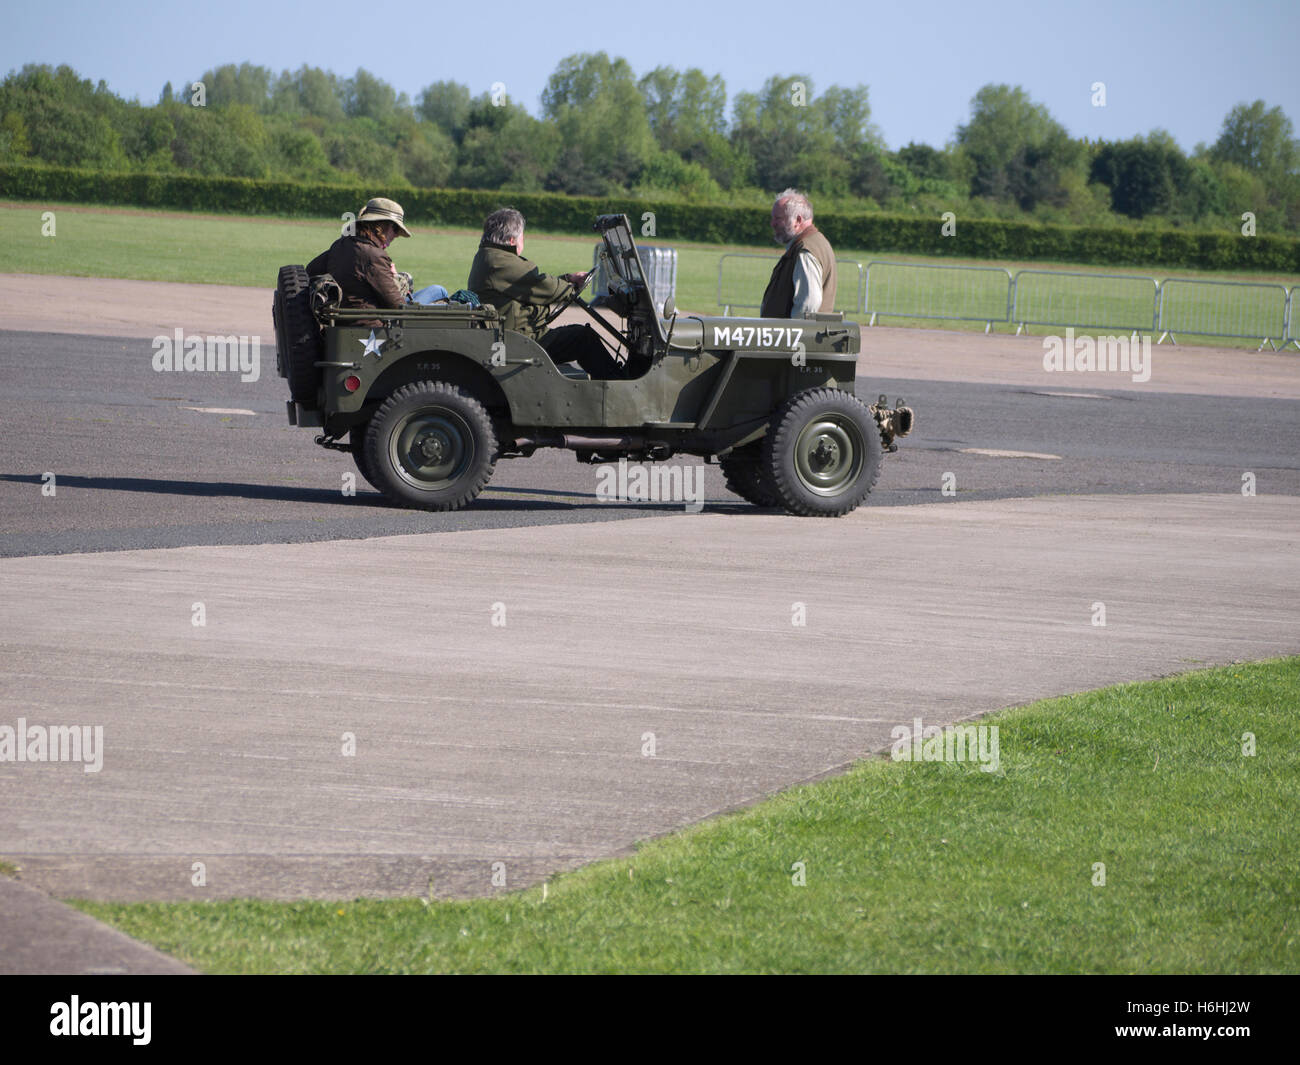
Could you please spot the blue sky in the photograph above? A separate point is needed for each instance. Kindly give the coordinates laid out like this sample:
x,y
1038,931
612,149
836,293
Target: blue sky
x,y
1175,65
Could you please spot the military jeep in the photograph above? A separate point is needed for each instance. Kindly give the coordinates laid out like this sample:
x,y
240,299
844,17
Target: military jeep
x,y
429,400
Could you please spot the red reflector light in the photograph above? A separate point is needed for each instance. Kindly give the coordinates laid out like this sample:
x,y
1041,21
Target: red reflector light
x,y
352,383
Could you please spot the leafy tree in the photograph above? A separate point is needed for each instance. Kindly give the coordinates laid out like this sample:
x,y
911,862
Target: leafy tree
x,y
310,90
601,117
366,96
869,177
447,105
355,149
1258,139
244,84
684,108
505,147
669,174
687,113
1201,194
13,137
228,141
847,113
925,162
1144,175
147,138
298,153
1019,152
63,119
791,141
426,155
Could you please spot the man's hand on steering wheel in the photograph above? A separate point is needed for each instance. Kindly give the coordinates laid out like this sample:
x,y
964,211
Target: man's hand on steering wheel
x,y
579,282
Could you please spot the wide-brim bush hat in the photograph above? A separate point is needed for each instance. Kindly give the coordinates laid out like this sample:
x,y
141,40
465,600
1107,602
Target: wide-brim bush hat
x,y
382,210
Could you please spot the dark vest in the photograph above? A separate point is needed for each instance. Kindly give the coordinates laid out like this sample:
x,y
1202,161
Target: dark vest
x,y
778,299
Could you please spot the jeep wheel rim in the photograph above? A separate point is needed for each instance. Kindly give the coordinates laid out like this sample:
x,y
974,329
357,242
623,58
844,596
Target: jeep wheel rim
x,y
432,448
828,454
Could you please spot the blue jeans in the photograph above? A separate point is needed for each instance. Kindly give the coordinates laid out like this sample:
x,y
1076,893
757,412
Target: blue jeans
x,y
428,295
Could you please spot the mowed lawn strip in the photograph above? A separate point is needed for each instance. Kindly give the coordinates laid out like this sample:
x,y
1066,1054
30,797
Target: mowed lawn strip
x,y
908,867
233,250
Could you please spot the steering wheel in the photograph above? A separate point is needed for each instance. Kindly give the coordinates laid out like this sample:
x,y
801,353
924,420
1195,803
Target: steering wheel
x,y
564,304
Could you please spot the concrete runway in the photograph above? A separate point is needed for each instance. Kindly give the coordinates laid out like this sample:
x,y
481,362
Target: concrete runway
x,y
478,742
523,742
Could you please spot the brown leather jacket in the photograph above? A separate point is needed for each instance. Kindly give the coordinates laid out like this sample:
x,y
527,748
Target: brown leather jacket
x,y
363,270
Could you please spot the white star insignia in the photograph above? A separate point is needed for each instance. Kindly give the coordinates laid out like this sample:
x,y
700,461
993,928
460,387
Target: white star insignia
x,y
372,345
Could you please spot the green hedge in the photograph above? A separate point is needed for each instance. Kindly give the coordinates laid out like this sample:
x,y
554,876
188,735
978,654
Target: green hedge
x,y
974,238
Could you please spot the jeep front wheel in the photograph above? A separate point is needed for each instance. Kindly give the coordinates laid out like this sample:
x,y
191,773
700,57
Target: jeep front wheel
x,y
822,453
432,446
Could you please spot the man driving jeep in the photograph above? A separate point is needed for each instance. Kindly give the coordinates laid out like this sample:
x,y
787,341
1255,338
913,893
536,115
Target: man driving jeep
x,y
360,263
524,297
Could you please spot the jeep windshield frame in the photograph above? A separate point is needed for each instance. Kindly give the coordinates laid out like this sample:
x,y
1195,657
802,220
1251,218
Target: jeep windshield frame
x,y
620,249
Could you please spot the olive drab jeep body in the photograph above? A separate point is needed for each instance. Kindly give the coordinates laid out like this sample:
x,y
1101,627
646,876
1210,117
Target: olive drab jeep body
x,y
431,398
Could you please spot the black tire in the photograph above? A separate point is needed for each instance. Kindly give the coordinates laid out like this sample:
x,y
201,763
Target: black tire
x,y
431,446
743,469
357,444
298,345
822,453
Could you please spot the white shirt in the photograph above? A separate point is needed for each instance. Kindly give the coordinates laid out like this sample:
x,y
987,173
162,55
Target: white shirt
x,y
807,284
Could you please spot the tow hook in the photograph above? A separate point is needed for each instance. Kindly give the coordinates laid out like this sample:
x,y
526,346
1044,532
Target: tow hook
x,y
332,442
892,422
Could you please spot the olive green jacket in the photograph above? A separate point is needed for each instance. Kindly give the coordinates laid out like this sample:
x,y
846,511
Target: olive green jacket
x,y
521,293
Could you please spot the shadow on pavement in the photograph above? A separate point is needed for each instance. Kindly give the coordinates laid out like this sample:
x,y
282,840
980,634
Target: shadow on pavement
x,y
492,499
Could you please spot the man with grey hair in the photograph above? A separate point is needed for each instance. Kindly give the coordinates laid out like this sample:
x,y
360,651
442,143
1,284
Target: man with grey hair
x,y
803,280
501,277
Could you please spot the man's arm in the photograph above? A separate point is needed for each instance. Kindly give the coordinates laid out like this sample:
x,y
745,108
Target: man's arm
x,y
319,265
536,289
381,275
807,285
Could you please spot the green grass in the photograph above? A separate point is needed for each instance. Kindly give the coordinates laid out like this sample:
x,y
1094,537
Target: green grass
x,y
8,869
180,246
926,867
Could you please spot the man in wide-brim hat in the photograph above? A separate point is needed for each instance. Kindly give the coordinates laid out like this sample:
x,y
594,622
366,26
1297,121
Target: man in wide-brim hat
x,y
382,210
359,262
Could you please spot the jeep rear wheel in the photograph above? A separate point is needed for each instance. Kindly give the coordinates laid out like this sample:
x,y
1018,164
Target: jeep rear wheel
x,y
743,469
822,453
298,344
431,445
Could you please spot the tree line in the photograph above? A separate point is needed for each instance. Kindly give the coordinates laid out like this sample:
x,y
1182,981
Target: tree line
x,y
668,134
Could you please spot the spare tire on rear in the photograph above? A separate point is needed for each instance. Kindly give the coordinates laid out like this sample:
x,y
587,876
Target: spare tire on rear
x,y
298,345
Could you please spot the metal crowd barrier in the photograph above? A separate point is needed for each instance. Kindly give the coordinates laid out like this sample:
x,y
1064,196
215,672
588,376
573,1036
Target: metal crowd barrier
x,y
747,275
1129,302
1244,309
916,290
1132,303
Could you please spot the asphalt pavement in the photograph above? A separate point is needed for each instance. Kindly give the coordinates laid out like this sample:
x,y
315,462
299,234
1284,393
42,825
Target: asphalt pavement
x,y
142,459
